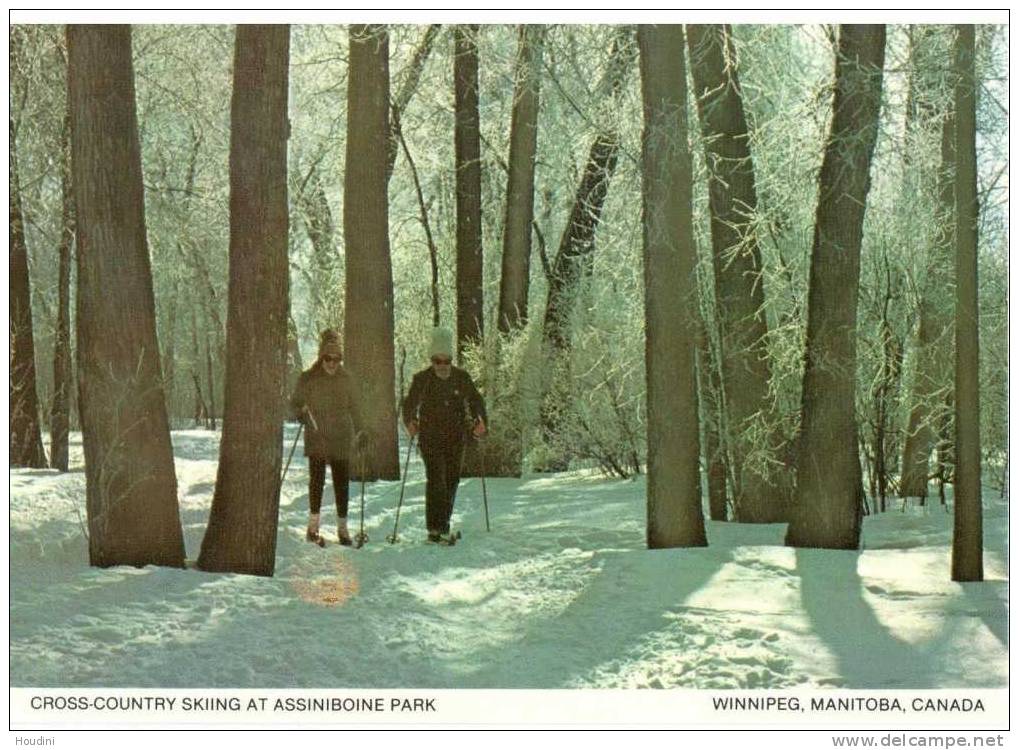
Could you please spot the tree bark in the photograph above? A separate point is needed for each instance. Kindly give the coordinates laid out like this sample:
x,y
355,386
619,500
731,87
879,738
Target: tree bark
x,y
967,539
241,536
738,274
828,507
470,311
674,514
131,489
516,238
60,409
25,432
368,317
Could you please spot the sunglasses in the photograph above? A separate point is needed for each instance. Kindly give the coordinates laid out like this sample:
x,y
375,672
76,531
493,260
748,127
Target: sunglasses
x,y
441,361
331,360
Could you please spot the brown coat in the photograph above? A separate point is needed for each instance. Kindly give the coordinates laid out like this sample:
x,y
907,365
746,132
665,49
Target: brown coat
x,y
333,403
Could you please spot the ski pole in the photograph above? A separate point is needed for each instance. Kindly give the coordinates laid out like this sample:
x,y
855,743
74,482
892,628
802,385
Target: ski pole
x,y
361,536
403,483
287,466
484,490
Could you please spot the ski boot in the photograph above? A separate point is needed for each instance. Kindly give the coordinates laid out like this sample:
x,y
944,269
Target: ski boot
x,y
343,534
312,534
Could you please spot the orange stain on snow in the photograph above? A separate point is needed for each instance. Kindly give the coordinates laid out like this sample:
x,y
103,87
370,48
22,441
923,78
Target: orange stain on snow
x,y
332,588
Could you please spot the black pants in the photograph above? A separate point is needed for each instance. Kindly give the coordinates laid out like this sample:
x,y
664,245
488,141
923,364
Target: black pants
x,y
317,481
443,459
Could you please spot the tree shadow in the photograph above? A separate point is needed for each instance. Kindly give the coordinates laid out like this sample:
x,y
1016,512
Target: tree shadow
x,y
988,601
598,631
868,654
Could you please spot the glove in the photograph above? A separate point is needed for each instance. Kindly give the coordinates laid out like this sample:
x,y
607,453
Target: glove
x,y
479,428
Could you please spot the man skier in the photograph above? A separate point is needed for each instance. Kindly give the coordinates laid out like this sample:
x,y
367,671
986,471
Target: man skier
x,y
325,401
442,405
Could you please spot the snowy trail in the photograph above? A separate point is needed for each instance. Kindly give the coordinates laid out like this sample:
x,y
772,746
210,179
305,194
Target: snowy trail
x,y
561,593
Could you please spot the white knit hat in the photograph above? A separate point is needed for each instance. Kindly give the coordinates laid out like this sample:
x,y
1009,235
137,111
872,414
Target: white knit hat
x,y
441,343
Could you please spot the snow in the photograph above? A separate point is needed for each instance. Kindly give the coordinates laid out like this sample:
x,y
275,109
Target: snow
x,y
561,594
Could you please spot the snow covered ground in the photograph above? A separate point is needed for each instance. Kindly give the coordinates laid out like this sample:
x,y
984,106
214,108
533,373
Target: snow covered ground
x,y
561,594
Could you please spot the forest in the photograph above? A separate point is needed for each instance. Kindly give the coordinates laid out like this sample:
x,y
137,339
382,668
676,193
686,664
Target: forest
x,y
762,268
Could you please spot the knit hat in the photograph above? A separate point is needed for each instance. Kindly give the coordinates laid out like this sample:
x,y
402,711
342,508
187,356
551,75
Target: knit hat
x,y
329,344
441,343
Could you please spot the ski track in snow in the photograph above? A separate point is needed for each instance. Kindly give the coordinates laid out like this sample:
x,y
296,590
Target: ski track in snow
x,y
561,594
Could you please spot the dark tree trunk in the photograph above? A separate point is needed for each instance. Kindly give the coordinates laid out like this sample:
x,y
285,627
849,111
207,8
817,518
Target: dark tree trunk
x,y
827,512
368,318
201,414
967,539
210,375
577,244
739,286
674,514
25,433
470,309
131,489
516,238
60,410
241,536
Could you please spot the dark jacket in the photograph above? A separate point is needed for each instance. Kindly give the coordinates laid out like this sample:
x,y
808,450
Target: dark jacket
x,y
333,403
444,409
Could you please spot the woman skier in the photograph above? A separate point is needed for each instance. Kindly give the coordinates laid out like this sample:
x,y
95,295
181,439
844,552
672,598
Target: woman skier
x,y
326,402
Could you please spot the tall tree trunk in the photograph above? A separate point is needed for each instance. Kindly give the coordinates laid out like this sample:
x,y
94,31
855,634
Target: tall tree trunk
x,y
516,238
674,514
738,273
967,539
241,536
131,489
60,410
470,311
931,378
25,433
368,318
828,502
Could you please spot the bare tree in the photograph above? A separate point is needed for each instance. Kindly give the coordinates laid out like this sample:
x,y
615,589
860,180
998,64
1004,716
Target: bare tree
x,y
967,539
241,536
368,316
131,489
575,256
674,514
25,433
931,379
470,311
516,238
738,273
829,483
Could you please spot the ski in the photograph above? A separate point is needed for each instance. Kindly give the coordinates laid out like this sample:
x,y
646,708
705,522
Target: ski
x,y
446,540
